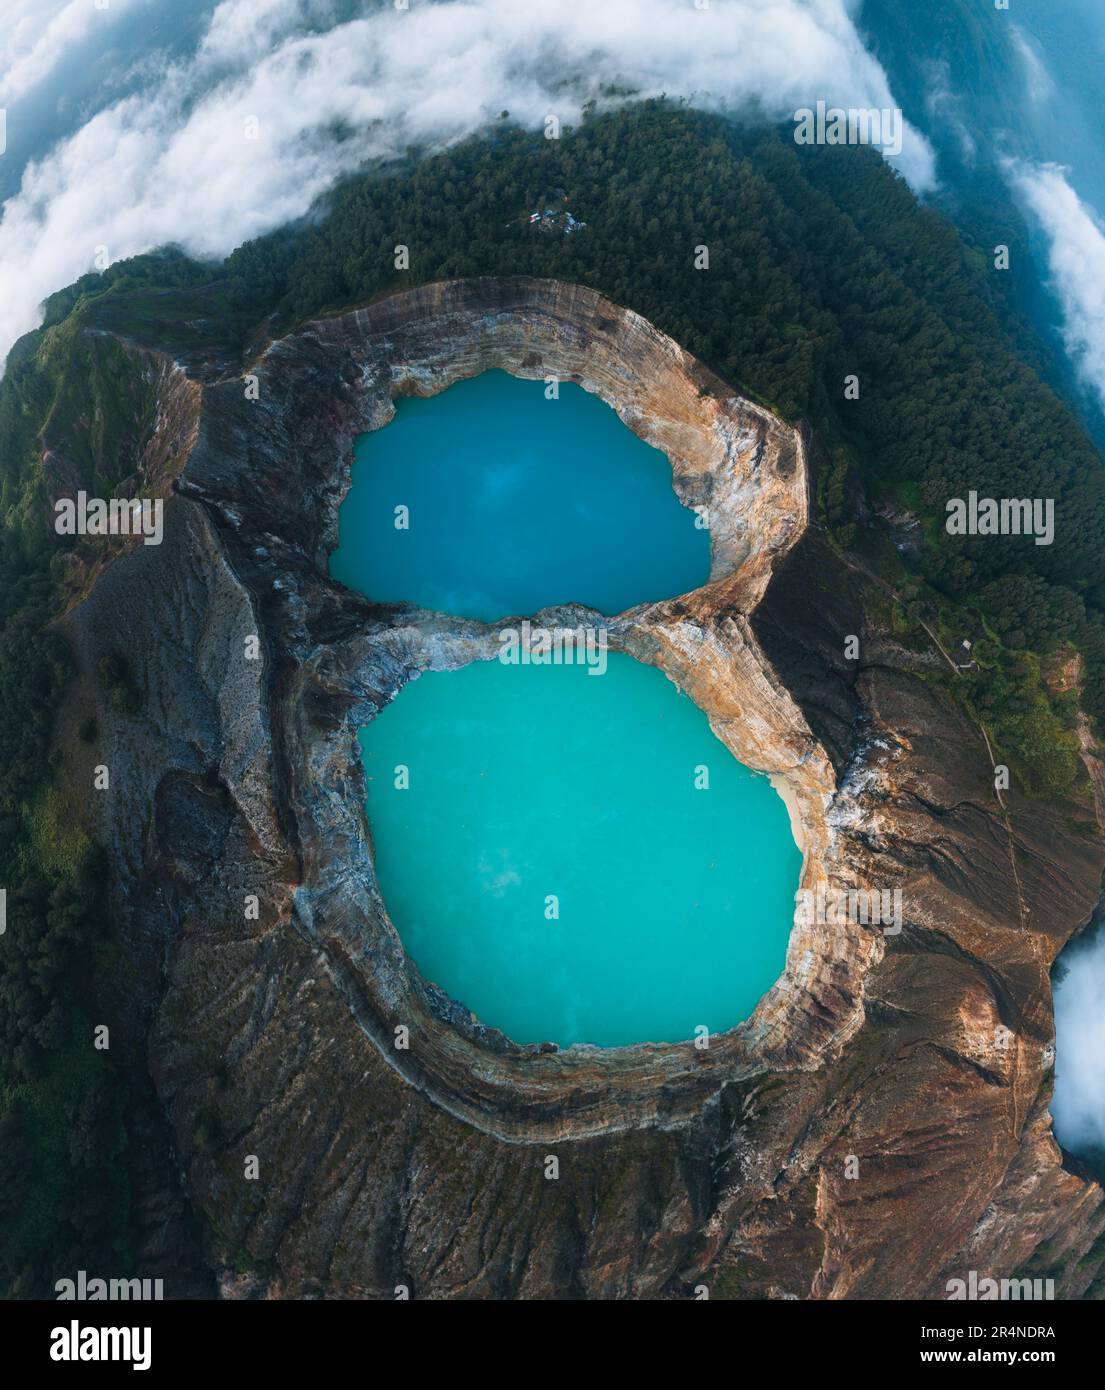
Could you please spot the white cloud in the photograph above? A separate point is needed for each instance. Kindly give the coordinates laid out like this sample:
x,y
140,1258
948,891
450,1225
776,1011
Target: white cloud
x,y
1076,262
38,34
945,106
242,31
1078,1105
1040,85
172,164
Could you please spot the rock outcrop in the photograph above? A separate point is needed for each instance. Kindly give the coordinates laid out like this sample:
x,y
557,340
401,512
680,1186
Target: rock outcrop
x,y
884,1078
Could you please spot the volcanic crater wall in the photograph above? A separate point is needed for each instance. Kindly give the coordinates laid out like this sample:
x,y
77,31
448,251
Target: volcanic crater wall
x,y
920,1061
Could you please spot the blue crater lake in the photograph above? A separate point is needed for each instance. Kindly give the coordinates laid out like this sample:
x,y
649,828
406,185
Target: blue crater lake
x,y
541,788
514,503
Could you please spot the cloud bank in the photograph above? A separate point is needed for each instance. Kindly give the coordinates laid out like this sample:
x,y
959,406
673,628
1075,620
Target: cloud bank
x,y
172,162
1078,1105
1076,262
38,35
1040,85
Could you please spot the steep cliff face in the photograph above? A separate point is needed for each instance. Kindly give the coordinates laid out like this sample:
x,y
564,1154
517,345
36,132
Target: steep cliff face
x,y
882,1079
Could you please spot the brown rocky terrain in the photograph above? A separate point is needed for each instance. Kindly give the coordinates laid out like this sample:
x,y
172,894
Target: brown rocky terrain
x,y
877,1126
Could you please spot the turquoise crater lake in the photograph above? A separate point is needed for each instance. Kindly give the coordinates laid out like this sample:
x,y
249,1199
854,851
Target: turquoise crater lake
x,y
514,503
529,784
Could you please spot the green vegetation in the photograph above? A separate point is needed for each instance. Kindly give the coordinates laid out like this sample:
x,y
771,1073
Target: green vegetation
x,y
64,1175
119,683
63,1190
1025,723
64,1178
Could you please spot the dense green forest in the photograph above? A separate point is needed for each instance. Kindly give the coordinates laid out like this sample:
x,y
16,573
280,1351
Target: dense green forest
x,y
64,1193
821,265
65,1107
